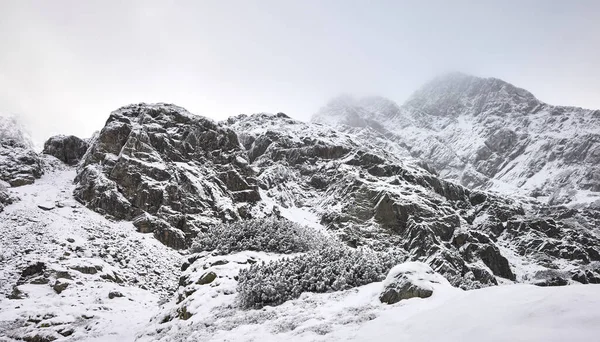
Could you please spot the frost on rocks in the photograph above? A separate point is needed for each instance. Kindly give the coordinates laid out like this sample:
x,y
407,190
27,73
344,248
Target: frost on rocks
x,y
369,194
184,171
410,280
487,134
19,163
68,149
295,225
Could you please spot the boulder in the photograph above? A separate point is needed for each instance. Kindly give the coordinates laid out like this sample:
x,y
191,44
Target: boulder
x,y
207,278
67,148
410,280
31,271
115,294
60,285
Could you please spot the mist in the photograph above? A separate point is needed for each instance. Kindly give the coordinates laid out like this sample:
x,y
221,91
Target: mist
x,y
65,65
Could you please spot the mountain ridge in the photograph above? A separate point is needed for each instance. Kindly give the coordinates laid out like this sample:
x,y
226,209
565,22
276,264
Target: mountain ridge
x,y
480,129
103,227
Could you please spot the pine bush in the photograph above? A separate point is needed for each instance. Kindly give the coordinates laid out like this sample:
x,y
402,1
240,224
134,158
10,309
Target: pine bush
x,y
276,235
333,268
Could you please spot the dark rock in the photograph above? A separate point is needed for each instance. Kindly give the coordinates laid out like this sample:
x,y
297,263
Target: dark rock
x,y
6,198
170,236
59,286
39,338
112,276
65,332
477,197
482,276
219,262
69,149
17,294
404,291
115,294
183,314
166,169
491,257
19,164
46,206
86,269
63,275
207,278
40,281
34,269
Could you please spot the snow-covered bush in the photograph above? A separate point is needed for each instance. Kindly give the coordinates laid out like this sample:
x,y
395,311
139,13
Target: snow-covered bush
x,y
333,268
275,235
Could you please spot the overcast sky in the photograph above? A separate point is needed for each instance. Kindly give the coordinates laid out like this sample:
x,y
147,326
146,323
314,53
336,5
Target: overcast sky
x,y
64,65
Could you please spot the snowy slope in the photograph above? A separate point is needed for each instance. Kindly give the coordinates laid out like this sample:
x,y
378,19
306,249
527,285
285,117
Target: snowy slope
x,y
503,313
91,254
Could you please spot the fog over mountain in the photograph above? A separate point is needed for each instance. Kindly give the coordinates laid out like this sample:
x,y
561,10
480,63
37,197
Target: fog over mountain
x,y
299,171
66,63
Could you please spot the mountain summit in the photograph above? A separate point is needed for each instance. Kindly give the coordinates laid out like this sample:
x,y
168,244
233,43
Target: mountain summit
x,y
489,134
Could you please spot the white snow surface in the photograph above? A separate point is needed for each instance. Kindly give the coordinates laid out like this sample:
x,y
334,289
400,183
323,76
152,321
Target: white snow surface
x,y
29,234
501,313
418,273
70,237
48,225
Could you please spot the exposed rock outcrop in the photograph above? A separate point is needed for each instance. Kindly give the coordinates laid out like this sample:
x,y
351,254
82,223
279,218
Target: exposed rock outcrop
x,y
69,149
369,195
19,164
184,171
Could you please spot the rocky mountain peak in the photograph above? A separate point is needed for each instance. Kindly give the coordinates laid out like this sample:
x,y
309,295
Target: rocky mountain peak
x,y
456,94
488,134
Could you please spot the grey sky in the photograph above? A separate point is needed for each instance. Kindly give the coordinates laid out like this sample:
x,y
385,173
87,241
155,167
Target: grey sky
x,y
64,65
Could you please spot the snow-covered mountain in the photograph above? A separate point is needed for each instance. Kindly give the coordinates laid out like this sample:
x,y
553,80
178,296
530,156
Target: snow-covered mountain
x,y
487,134
167,226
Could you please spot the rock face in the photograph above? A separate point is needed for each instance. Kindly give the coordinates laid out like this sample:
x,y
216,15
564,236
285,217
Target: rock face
x,y
487,134
410,280
369,194
19,164
173,171
69,149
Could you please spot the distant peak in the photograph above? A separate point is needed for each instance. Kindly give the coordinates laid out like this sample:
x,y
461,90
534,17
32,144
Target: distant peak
x,y
469,85
455,93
